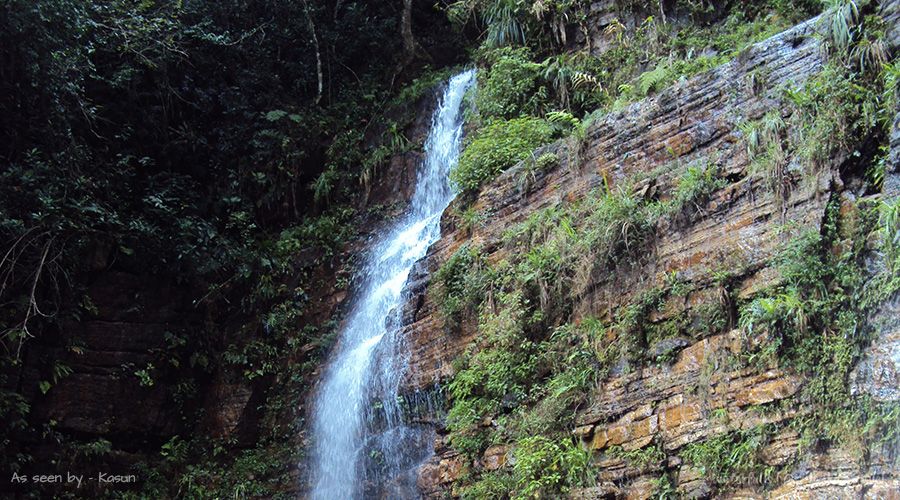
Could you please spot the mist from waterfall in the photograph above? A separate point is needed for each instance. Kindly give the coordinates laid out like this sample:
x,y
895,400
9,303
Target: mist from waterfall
x,y
348,434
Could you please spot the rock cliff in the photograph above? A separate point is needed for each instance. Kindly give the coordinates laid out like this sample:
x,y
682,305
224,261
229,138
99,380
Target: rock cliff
x,y
702,393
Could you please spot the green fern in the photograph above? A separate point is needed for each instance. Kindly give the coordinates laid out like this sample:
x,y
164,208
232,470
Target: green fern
x,y
324,184
653,80
762,134
563,118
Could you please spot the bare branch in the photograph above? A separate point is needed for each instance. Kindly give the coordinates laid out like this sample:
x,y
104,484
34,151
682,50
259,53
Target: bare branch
x,y
312,29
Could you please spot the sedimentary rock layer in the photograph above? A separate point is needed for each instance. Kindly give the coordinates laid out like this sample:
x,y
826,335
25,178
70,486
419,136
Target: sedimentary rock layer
x,y
741,227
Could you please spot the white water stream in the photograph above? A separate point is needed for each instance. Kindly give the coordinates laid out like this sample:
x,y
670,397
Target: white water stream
x,y
371,359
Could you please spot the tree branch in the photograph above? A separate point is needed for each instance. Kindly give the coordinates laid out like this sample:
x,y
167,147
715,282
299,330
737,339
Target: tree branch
x,y
312,29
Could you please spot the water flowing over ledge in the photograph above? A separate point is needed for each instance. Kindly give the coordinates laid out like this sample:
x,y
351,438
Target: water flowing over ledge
x,y
350,447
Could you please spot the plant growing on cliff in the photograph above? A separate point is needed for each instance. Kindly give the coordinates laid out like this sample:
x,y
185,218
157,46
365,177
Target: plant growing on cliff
x,y
656,78
469,219
694,187
829,112
804,320
664,489
889,218
558,250
492,485
496,147
815,320
514,377
648,456
459,283
847,99
827,115
549,467
570,368
576,80
839,23
511,87
732,458
493,375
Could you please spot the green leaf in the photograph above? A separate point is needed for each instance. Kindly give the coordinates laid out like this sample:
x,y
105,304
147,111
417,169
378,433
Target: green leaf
x,y
275,115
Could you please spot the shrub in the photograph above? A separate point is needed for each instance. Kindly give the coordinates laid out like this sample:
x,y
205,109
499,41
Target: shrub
x,y
511,87
493,374
470,218
459,283
615,225
839,21
815,320
548,467
558,250
547,161
832,110
695,187
490,486
497,147
571,366
576,80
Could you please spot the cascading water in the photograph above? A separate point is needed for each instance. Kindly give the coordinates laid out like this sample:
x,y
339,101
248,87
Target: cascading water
x,y
371,359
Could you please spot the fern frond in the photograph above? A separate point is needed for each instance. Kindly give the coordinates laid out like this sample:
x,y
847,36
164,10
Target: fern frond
x,y
651,80
581,79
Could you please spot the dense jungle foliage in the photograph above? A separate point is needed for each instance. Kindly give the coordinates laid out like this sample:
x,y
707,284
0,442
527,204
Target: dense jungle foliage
x,y
219,147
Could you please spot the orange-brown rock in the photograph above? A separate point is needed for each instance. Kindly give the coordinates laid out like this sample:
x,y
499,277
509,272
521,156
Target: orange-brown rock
x,y
495,457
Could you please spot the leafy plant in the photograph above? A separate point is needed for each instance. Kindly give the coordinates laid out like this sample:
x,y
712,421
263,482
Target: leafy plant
x,y
470,218
654,79
695,186
890,232
731,458
502,18
145,376
839,22
459,283
511,87
547,467
546,161
495,373
497,147
650,455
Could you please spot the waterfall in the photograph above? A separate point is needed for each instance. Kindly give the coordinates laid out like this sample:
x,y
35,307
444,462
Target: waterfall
x,y
355,444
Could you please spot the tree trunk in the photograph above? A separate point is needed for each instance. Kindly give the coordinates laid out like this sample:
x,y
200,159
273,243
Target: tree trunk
x,y
411,48
312,29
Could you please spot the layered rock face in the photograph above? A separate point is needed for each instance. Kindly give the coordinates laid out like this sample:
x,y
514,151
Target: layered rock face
x,y
701,394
